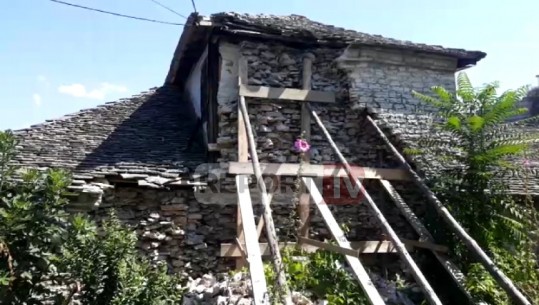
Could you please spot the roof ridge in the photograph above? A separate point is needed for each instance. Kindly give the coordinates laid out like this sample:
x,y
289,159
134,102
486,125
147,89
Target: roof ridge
x,y
298,28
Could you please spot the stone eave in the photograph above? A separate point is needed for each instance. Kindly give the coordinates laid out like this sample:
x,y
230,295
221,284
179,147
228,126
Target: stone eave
x,y
193,40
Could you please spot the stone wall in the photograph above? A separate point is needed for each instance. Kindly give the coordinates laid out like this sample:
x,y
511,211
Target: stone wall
x,y
172,225
277,125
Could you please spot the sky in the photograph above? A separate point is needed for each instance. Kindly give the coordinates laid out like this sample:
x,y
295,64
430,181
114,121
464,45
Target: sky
x,y
56,59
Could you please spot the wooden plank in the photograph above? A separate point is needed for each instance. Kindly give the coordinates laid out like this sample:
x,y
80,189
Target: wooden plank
x,y
359,271
472,245
316,170
310,245
429,293
242,151
271,233
290,94
327,246
305,199
454,272
254,258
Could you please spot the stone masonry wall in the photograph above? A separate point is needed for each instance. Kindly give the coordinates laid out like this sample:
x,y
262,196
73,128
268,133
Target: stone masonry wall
x,y
277,125
172,226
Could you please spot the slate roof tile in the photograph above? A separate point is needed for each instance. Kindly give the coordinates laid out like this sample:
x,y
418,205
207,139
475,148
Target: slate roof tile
x,y
301,27
144,134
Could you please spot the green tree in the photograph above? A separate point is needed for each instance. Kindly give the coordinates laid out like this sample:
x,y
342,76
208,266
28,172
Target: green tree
x,y
473,150
32,222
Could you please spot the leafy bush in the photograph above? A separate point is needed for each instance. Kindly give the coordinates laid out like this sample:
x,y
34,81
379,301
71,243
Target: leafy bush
x,y
110,269
321,274
470,183
38,240
31,227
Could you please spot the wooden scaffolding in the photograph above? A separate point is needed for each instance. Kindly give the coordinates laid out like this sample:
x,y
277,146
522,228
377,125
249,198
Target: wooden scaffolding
x,y
247,249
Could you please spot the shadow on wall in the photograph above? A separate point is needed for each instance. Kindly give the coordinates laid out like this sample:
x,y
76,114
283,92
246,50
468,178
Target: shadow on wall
x,y
152,139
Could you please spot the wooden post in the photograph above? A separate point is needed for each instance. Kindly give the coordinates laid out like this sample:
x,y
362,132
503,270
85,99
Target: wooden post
x,y
268,219
305,199
242,155
256,268
472,245
419,277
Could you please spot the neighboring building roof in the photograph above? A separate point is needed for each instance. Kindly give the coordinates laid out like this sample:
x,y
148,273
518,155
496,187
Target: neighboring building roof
x,y
406,130
143,135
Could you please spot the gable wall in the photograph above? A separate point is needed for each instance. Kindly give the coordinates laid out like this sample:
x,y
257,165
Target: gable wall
x,y
276,126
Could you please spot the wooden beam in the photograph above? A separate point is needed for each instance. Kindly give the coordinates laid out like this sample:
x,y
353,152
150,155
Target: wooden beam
x,y
242,151
430,295
254,258
311,245
290,94
472,245
316,170
359,271
271,233
304,199
457,275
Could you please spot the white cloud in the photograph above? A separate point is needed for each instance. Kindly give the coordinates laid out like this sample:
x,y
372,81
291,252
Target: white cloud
x,y
99,93
37,99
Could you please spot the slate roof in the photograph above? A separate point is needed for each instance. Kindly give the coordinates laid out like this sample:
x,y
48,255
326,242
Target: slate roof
x,y
302,28
143,135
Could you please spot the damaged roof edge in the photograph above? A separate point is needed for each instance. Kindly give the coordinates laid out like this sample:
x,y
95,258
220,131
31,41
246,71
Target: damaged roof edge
x,y
183,43
298,29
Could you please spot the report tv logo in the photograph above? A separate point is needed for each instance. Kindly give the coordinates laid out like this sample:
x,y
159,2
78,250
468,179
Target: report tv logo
x,y
330,180
339,188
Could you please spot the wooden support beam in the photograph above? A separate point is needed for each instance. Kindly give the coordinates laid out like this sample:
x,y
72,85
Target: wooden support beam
x,y
472,245
287,94
242,152
268,218
304,199
359,271
311,245
406,257
316,170
424,235
254,258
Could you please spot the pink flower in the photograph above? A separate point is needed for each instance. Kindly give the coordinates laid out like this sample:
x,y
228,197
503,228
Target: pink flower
x,y
302,145
526,163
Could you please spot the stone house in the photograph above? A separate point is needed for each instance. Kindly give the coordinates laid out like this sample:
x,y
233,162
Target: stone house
x,y
137,155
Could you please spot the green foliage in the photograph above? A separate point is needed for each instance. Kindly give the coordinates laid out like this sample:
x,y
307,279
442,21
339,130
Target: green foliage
x,y
37,240
474,158
110,269
31,227
321,274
